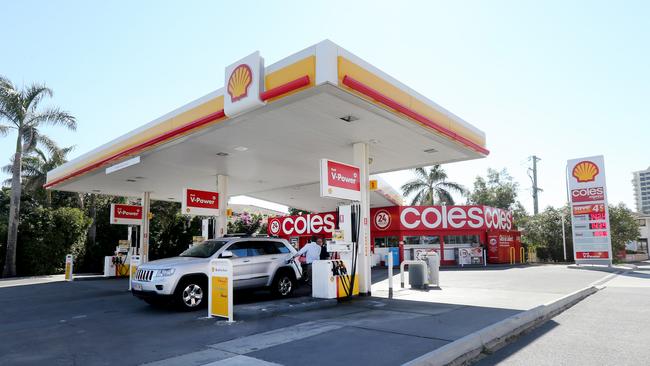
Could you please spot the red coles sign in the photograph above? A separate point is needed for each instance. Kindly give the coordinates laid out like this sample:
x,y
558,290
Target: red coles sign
x,y
126,214
441,217
312,224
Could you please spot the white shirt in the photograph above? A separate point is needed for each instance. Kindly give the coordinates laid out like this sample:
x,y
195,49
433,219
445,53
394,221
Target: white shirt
x,y
312,251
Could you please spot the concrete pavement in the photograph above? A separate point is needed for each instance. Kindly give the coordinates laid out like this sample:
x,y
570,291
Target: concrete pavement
x,y
98,322
611,327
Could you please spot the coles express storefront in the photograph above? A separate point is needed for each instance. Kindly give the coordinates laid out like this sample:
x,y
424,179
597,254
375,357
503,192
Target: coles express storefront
x,y
445,229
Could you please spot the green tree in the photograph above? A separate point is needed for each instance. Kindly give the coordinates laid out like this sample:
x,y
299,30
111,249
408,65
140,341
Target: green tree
x,y
20,111
35,166
431,187
498,189
296,211
47,235
624,226
246,223
544,233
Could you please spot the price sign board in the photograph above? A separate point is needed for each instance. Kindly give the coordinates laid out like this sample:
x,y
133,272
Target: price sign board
x,y
587,191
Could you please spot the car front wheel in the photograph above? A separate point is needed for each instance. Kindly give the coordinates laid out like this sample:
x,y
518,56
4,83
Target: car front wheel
x,y
191,294
283,284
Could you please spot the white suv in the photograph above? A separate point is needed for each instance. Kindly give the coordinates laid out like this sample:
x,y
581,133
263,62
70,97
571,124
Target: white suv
x,y
257,262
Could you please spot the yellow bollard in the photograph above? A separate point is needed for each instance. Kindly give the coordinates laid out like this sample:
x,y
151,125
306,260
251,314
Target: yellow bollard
x,y
512,255
522,254
69,267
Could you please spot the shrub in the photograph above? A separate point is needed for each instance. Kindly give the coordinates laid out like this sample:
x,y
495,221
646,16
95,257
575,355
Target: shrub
x,y
46,235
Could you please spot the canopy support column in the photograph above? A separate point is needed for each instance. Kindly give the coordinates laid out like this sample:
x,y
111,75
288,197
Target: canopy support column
x,y
361,159
144,229
221,221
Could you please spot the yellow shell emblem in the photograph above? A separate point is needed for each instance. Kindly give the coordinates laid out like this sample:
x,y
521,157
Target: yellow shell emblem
x,y
240,79
585,171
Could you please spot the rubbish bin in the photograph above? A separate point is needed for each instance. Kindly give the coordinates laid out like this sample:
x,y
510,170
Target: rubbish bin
x,y
418,275
395,252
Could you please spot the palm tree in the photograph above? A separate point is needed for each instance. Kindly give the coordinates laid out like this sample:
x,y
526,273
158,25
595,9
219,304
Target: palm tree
x,y
20,108
35,166
431,186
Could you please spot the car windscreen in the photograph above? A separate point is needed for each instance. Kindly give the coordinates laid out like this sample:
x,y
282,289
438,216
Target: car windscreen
x,y
204,250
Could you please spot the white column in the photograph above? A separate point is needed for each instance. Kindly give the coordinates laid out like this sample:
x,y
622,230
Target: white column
x,y
221,222
144,229
361,156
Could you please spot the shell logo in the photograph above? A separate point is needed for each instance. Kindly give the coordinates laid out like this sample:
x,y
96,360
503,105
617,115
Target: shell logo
x,y
239,81
585,171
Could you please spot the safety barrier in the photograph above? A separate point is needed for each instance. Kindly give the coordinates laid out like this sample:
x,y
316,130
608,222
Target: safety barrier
x,y
512,255
401,269
522,255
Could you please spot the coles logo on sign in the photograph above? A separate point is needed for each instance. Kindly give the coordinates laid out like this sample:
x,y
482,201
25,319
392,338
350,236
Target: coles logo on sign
x,y
343,176
455,217
588,194
311,224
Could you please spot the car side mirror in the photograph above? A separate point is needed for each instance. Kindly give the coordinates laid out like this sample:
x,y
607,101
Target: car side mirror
x,y
226,254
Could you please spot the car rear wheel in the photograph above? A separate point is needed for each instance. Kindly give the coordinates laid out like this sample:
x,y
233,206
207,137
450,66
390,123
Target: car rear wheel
x,y
191,294
283,284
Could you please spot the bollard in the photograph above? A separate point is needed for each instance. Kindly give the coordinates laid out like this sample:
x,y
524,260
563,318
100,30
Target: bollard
x,y
390,275
69,267
434,268
512,255
484,258
134,263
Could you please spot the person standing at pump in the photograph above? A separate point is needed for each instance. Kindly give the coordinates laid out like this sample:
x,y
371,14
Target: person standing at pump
x,y
312,252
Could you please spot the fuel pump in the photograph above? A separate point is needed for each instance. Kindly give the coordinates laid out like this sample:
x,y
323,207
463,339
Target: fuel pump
x,y
337,277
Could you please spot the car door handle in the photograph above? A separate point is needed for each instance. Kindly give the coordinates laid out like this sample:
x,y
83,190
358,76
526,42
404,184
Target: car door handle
x,y
274,258
246,260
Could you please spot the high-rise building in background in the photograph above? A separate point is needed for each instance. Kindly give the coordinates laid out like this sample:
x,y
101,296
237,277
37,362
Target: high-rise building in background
x,y
641,184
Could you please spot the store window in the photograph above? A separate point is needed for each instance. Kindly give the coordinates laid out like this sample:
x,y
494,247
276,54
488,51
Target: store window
x,y
386,241
461,239
641,222
421,240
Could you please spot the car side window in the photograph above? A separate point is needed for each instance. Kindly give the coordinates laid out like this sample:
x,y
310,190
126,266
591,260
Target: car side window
x,y
280,247
240,249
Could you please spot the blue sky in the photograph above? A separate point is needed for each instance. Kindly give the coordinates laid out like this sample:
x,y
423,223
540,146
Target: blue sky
x,y
558,79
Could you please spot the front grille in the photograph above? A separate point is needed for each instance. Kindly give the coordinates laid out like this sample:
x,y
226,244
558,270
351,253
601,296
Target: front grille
x,y
144,275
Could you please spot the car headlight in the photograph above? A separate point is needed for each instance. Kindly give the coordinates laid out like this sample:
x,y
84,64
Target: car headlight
x,y
165,272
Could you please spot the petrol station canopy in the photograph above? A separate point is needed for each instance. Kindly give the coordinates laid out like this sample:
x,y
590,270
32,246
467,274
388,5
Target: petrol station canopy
x,y
313,104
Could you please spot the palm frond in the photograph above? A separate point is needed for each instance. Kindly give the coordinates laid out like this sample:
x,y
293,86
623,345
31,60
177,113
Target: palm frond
x,y
444,196
417,200
54,117
454,187
412,186
33,94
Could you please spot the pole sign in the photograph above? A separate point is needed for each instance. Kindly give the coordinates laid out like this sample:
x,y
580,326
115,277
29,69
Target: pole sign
x,y
339,180
220,302
126,214
69,267
202,203
589,213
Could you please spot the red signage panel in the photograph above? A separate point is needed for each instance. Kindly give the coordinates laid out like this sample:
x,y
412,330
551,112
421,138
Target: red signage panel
x,y
322,224
198,202
343,176
126,214
588,194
